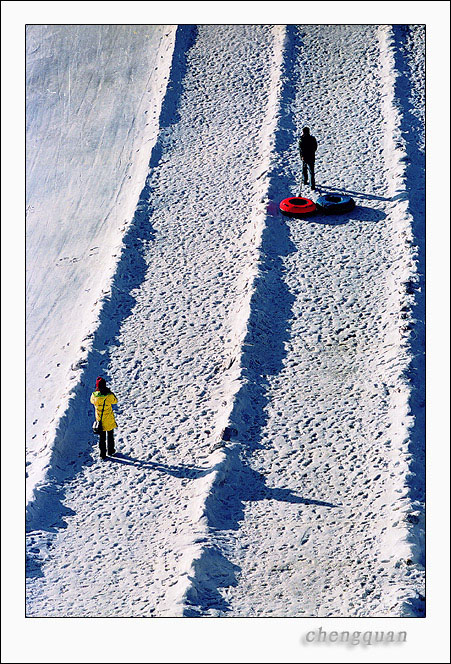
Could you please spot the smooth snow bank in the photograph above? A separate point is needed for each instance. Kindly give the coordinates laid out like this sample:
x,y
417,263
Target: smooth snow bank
x,y
94,94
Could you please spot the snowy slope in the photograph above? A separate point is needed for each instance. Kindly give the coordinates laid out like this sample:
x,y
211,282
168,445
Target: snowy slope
x,y
317,481
93,101
297,335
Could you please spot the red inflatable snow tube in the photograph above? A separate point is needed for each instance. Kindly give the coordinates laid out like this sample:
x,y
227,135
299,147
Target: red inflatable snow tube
x,y
297,207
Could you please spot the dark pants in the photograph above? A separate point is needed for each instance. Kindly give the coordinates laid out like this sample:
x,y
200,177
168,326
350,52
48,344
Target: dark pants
x,y
310,165
103,443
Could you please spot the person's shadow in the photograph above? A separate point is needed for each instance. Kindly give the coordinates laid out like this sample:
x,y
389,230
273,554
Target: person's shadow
x,y
327,188
251,485
179,471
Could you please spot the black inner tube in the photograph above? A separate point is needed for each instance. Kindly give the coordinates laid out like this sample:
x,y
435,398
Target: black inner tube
x,y
299,201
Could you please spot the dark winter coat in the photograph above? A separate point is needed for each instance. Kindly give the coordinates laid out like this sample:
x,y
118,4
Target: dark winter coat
x,y
307,147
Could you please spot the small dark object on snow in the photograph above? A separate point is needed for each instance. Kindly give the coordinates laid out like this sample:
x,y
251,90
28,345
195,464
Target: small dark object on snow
x,y
228,433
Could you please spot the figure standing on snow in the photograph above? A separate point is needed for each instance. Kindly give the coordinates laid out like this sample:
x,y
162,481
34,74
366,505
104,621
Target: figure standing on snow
x,y
307,149
103,400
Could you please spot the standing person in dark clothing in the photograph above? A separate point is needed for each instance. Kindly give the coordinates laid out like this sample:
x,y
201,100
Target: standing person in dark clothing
x,y
307,149
103,400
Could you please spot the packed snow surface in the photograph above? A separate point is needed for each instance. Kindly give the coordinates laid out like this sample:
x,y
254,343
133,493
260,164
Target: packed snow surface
x,y
268,370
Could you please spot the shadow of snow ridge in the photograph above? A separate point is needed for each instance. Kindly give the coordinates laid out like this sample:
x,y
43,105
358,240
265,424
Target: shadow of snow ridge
x,y
74,440
210,572
412,128
236,484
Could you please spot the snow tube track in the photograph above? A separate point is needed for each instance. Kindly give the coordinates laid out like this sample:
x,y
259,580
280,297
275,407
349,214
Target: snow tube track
x,y
288,333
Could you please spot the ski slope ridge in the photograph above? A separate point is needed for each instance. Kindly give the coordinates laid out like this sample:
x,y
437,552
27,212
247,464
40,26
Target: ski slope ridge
x,y
261,364
402,56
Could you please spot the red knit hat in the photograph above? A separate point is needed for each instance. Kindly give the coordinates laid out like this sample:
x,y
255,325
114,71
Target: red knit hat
x,y
100,383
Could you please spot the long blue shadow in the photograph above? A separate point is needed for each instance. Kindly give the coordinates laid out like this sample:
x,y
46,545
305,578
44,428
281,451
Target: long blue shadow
x,y
181,472
185,37
240,484
324,188
412,127
211,572
73,441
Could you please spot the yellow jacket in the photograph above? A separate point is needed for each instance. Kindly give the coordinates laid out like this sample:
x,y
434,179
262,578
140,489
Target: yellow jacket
x,y
108,421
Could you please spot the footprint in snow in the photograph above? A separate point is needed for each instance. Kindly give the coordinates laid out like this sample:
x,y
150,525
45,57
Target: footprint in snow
x,y
305,538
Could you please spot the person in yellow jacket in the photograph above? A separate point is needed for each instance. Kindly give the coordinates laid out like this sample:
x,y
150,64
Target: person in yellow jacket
x,y
103,400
